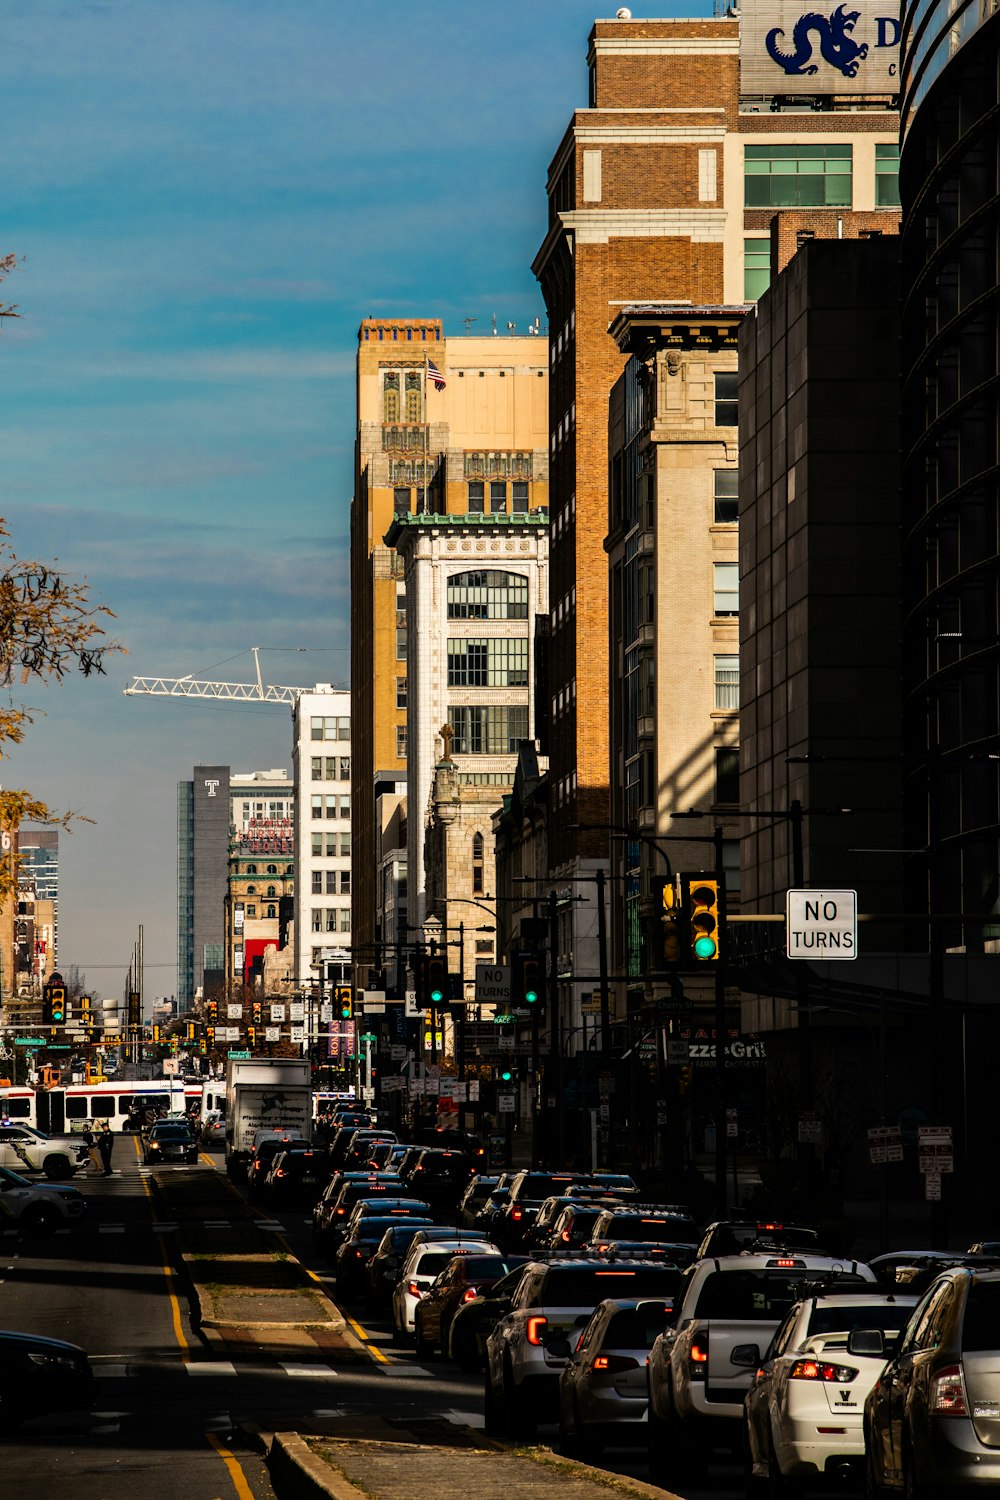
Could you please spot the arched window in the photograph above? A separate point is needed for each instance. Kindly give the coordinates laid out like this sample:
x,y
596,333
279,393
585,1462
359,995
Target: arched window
x,y
272,870
487,594
477,865
251,890
390,396
251,869
413,411
271,891
272,911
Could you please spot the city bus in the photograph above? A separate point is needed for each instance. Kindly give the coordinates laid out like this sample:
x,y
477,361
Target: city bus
x,y
124,1103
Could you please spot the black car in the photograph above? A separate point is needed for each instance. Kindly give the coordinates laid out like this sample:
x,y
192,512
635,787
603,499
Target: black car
x,y
260,1161
440,1177
169,1140
39,1375
364,1239
476,1319
296,1176
384,1266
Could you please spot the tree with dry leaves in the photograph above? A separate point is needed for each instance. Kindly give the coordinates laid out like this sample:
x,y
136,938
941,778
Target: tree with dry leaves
x,y
49,627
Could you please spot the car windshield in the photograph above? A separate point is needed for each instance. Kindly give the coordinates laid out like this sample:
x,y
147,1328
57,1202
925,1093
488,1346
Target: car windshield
x,y
637,1327
981,1326
751,1296
171,1133
433,1262
638,1227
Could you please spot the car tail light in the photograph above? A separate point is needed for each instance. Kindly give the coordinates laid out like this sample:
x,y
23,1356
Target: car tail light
x,y
813,1369
415,1289
470,1293
515,1213
947,1393
614,1363
698,1357
566,1236
280,1172
536,1330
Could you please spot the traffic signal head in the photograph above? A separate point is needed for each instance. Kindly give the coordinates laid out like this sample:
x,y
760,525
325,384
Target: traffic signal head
x,y
702,907
667,924
526,979
156,1032
506,1075
57,1004
437,978
345,1002
255,1012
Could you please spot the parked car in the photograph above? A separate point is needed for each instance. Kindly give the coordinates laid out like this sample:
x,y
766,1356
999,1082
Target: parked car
x,y
39,1207
603,1397
932,1420
40,1375
803,1411
169,1141
462,1279
25,1149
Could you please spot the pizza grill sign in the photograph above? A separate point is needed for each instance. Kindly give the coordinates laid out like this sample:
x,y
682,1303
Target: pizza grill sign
x,y
786,48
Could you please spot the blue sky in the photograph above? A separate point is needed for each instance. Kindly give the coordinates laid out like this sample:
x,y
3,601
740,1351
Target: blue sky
x,y
208,196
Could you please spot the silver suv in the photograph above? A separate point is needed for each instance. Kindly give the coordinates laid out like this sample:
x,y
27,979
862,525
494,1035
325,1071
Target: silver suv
x,y
529,1347
38,1207
696,1387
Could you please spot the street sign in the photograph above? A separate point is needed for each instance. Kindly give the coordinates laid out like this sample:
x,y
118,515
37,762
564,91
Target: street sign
x,y
492,984
397,1052
29,1041
885,1144
677,1051
238,1054
411,1009
505,1104
374,1002
821,924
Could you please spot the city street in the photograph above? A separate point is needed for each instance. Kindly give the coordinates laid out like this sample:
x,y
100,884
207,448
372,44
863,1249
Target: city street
x,y
177,1410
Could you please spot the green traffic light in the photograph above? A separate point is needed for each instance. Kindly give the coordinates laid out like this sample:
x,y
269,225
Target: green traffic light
x,y
705,947
436,997
531,996
506,1075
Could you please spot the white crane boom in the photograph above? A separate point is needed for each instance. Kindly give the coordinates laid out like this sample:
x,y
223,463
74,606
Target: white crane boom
x,y
194,687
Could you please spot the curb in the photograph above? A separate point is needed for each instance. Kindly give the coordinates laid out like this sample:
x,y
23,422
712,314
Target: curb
x,y
297,1474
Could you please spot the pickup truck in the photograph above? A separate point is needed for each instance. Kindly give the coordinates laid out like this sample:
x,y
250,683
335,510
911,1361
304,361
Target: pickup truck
x,y
696,1386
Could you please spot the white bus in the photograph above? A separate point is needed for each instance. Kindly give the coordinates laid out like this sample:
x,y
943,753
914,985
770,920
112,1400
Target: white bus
x,y
124,1103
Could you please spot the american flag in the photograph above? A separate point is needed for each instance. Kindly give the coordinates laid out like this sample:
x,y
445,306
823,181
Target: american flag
x,y
435,377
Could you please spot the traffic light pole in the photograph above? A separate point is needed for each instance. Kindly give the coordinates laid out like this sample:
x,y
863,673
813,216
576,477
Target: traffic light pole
x,y
721,1121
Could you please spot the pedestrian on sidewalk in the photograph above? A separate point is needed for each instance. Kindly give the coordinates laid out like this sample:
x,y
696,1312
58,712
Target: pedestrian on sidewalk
x,y
90,1152
105,1146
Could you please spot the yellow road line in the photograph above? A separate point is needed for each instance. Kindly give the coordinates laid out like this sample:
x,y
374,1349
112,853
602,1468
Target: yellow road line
x,y
168,1271
365,1338
236,1474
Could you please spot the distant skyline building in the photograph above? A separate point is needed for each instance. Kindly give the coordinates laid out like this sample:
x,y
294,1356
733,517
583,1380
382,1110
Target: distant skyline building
x,y
38,850
321,730
212,803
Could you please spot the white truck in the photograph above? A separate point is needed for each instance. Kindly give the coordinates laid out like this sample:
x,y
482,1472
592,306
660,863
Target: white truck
x,y
264,1093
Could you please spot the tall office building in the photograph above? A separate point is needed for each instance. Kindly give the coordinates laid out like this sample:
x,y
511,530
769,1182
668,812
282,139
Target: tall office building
x,y
38,867
662,193
210,805
321,728
449,430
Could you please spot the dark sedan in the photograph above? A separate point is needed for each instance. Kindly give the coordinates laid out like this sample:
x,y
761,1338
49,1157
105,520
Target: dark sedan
x,y
461,1281
475,1320
169,1141
363,1241
296,1177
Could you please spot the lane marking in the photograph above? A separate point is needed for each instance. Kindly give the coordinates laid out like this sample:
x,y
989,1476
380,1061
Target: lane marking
x,y
310,1372
211,1367
236,1474
168,1272
366,1339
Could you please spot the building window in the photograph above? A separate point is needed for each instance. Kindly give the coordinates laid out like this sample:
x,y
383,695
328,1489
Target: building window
x,y
345,919
727,682
345,804
330,728
317,882
727,505
484,945
400,692
400,634
494,730
317,768
726,383
251,890
390,396
414,412
477,497
401,501
477,865
886,174
401,741
519,498
498,499
345,882
317,919
756,268
498,662
331,882
317,806
726,583
317,844
251,910
251,869
797,175
271,891
727,774
345,768
487,595
345,845
731,865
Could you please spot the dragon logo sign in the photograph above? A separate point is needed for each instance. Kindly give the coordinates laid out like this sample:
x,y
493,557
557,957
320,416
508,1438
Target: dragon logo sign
x,y
848,50
836,44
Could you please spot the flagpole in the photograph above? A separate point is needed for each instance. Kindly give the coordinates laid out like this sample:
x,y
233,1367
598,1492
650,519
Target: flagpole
x,y
427,423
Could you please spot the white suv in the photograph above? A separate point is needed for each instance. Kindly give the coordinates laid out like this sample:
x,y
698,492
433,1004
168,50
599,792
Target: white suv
x,y
25,1149
696,1386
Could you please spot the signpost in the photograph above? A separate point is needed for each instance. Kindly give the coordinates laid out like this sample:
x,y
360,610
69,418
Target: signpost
x,y
493,984
821,924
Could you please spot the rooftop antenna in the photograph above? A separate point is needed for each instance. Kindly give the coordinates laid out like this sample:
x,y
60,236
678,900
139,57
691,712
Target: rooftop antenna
x,y
468,323
494,322
511,327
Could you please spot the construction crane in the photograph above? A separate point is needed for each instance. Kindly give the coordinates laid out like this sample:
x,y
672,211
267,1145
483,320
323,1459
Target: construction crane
x,y
194,687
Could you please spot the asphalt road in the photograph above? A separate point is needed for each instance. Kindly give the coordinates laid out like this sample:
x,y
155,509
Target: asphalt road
x,y
172,1415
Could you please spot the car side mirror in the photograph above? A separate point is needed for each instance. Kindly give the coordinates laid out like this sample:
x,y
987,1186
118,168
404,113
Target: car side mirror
x,y
559,1346
747,1356
866,1341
